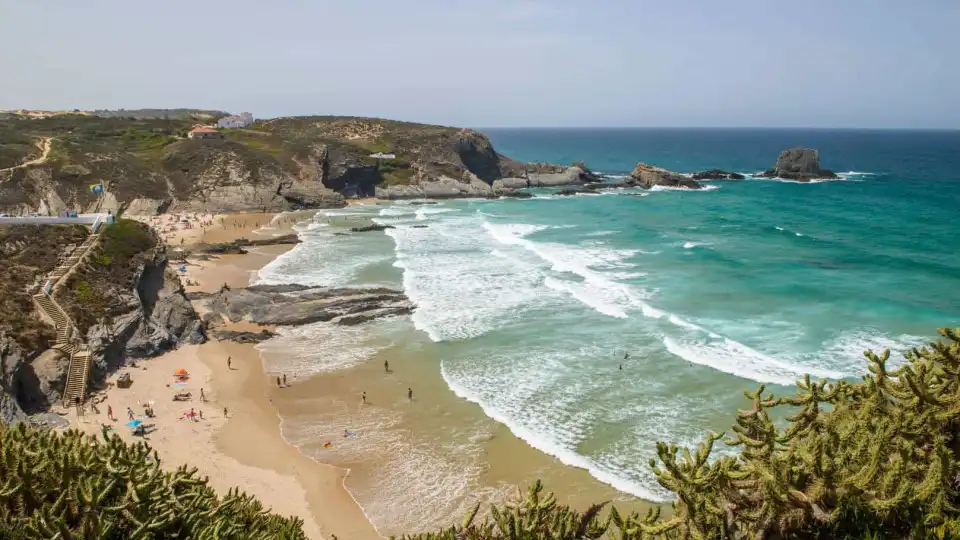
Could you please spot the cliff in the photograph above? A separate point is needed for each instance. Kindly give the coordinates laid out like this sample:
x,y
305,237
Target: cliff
x,y
124,298
147,164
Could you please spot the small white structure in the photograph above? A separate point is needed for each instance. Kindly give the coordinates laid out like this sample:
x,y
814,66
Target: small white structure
x,y
381,155
241,120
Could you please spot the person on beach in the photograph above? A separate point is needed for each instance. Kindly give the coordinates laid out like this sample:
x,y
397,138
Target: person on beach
x,y
410,394
363,398
278,382
203,398
110,414
386,366
224,412
284,379
228,362
129,413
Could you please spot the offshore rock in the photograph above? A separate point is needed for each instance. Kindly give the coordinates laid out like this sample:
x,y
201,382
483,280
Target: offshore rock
x,y
801,164
717,174
374,227
647,176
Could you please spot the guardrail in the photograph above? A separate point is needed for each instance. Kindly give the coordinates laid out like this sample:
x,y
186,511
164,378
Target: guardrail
x,y
84,219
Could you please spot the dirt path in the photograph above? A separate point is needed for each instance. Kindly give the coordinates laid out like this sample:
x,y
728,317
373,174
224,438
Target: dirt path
x,y
45,145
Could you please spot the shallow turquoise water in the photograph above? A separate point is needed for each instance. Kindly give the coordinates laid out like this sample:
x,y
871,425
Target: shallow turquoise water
x,y
532,304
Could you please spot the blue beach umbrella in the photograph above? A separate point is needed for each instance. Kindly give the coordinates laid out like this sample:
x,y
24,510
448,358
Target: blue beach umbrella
x,y
134,423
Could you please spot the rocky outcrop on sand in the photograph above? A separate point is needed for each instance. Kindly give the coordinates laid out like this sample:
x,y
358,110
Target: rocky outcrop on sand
x,y
801,164
647,176
238,246
243,337
717,174
297,304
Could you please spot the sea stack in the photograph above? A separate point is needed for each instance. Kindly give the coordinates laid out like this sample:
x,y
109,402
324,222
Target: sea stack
x,y
800,164
647,176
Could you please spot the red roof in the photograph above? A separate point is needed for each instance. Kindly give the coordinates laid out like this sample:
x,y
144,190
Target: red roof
x,y
203,129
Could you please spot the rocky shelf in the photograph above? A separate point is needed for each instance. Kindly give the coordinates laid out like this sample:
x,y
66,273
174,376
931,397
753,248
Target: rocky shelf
x,y
293,305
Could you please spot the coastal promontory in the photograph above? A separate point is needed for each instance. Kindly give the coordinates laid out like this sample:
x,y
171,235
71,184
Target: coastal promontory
x,y
148,162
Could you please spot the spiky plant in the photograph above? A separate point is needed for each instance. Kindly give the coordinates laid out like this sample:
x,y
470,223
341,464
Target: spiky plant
x,y
71,485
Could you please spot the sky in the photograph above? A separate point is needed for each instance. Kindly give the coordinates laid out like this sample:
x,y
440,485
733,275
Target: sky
x,y
496,63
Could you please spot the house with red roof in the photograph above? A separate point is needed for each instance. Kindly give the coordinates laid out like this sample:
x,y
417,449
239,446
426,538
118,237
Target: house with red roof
x,y
204,132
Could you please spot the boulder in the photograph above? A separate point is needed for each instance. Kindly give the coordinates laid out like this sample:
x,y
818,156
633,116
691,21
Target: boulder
x,y
647,176
801,164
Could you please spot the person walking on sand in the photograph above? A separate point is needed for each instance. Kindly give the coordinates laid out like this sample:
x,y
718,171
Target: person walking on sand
x,y
386,366
363,398
129,413
284,379
410,394
203,398
110,414
278,382
229,358
224,412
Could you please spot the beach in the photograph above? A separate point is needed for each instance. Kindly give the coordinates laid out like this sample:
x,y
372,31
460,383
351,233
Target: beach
x,y
244,448
314,449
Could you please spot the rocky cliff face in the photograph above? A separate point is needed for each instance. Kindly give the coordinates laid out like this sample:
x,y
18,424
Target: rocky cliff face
x,y
159,318
801,164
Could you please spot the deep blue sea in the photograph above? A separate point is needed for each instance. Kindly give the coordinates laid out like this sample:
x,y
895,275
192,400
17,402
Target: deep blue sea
x,y
530,306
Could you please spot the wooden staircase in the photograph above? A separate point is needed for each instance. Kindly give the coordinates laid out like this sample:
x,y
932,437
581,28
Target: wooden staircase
x,y
76,386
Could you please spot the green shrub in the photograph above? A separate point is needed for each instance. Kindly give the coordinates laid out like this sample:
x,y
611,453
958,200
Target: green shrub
x,y
70,485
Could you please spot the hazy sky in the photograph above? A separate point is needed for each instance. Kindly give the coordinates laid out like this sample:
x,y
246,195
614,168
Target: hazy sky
x,y
854,63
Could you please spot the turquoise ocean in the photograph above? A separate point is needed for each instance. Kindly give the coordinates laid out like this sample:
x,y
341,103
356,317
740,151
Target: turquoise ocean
x,y
527,308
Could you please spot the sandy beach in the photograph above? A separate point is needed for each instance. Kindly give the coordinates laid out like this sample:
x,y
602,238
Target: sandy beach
x,y
237,443
413,464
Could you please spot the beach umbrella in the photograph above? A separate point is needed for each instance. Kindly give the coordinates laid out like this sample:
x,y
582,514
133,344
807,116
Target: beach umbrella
x,y
134,423
181,371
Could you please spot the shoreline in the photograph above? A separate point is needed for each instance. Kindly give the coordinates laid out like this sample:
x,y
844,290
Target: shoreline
x,y
325,487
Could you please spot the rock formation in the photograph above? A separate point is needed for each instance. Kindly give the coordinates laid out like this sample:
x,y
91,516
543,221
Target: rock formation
x,y
237,246
647,176
801,164
298,304
370,228
717,174
243,337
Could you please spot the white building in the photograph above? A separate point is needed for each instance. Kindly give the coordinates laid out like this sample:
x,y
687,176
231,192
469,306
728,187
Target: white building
x,y
241,120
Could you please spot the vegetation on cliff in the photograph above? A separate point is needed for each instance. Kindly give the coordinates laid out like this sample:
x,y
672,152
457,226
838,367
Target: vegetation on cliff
x,y
150,157
28,253
71,485
876,458
100,288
